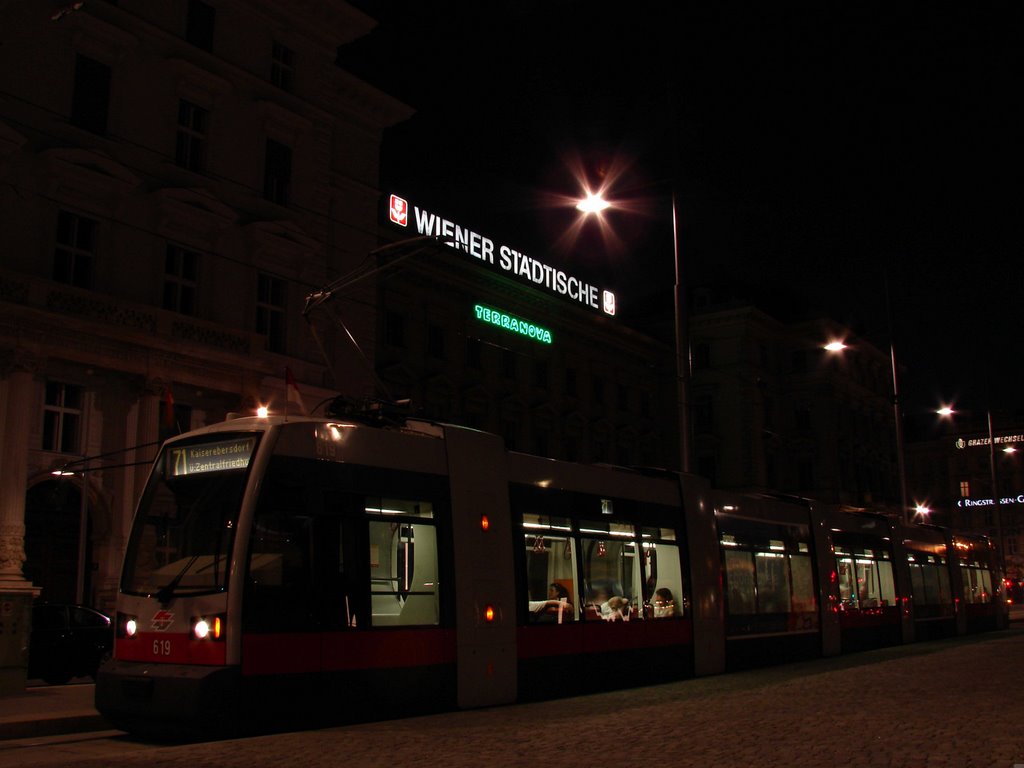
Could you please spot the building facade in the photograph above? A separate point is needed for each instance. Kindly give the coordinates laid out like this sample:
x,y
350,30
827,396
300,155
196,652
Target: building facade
x,y
175,179
773,411
468,344
952,475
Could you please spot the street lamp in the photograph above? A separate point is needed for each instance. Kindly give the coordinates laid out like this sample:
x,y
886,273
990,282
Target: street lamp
x,y
594,204
836,346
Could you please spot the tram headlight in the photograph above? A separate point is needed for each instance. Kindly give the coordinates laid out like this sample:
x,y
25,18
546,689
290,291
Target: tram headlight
x,y
127,625
207,627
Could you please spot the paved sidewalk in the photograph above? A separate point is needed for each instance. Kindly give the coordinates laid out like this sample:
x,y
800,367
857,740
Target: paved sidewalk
x,y
45,710
944,704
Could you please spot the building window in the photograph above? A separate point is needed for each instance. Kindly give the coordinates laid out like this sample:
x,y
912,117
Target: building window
x,y
270,309
277,174
623,398
508,364
570,382
474,354
90,100
435,341
62,416
798,362
802,416
75,249
701,356
199,24
540,374
597,385
180,275
189,151
282,66
965,488
805,471
394,329
704,416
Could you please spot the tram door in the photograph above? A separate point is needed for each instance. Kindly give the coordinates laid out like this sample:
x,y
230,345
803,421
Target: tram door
x,y
342,590
302,580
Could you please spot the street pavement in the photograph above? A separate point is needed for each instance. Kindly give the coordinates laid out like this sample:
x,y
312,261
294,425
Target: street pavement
x,y
945,704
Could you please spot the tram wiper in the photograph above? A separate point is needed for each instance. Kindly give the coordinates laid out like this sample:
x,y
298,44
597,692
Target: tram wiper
x,y
166,592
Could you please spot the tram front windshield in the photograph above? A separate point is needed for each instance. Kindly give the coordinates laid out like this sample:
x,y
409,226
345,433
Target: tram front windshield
x,y
184,530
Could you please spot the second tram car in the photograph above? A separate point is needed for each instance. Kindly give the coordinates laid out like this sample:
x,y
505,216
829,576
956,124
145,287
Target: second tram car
x,y
286,571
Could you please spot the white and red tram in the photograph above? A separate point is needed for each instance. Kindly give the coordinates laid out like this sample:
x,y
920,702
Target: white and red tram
x,y
293,571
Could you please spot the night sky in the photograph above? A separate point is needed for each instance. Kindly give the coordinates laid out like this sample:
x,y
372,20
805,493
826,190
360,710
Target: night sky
x,y
817,156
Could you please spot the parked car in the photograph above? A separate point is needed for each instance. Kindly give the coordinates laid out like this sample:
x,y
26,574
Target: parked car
x,y
67,641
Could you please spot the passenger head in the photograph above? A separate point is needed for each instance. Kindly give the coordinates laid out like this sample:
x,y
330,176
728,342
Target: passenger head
x,y
664,603
557,592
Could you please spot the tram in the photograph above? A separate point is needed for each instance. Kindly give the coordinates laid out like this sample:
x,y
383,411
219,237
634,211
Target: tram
x,y
288,571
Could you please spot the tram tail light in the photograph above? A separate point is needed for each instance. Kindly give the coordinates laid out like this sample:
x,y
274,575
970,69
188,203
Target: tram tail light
x,y
489,614
127,625
208,627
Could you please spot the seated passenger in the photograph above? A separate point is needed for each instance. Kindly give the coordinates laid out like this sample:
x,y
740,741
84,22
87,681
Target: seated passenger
x,y
557,605
597,596
664,603
615,609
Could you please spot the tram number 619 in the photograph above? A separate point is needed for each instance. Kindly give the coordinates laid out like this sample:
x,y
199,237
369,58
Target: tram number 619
x,y
161,647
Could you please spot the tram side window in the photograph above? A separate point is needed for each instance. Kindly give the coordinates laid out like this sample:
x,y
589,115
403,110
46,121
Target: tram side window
x,y
769,577
739,576
663,581
865,583
611,571
804,598
772,582
550,569
929,579
403,562
977,584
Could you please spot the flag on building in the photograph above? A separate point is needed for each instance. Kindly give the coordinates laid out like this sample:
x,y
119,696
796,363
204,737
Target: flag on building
x,y
168,408
293,391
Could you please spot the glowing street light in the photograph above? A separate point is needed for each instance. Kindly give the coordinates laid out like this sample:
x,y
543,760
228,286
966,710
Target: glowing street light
x,y
594,204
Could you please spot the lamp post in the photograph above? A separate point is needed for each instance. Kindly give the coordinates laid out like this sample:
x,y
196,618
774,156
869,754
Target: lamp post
x,y
594,204
836,346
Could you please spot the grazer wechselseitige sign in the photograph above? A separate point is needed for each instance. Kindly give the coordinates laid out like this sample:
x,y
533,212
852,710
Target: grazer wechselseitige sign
x,y
499,256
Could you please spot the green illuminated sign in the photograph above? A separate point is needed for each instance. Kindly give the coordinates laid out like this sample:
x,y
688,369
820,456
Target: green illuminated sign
x,y
512,324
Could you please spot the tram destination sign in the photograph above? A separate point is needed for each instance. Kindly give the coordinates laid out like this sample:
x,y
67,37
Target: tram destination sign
x,y
498,256
220,456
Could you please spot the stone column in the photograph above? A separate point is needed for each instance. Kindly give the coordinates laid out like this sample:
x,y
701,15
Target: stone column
x,y
147,431
16,593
